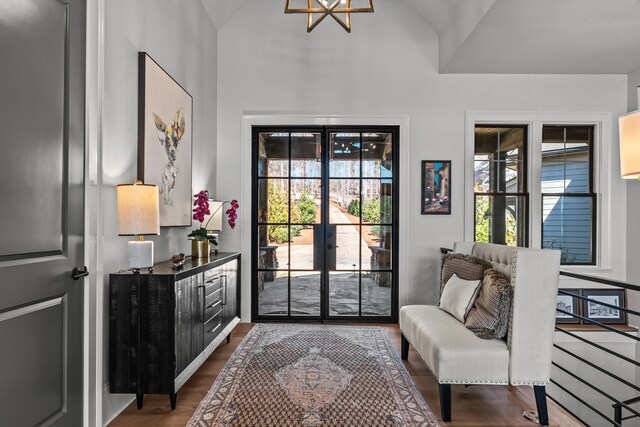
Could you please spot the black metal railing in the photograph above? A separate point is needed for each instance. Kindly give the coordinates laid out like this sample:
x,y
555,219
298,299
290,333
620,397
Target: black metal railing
x,y
620,403
622,409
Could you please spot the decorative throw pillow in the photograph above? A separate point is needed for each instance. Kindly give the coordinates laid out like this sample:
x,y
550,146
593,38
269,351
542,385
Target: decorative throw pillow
x,y
489,317
458,296
466,267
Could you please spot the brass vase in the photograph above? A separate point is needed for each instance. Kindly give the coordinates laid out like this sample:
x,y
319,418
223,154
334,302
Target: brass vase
x,y
200,249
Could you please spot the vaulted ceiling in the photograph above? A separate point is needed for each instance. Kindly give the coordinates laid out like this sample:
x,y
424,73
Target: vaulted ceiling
x,y
519,36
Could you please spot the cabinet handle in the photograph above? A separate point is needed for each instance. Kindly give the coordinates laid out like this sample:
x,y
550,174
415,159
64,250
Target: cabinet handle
x,y
213,280
214,329
224,290
213,305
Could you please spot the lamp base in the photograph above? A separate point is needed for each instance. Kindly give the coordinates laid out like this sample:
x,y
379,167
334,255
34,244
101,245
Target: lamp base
x,y
140,254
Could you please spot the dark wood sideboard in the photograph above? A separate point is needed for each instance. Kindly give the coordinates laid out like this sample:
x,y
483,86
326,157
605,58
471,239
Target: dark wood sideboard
x,y
163,325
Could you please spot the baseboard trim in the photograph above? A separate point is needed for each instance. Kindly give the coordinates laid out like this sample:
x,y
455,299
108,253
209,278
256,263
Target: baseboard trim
x,y
118,411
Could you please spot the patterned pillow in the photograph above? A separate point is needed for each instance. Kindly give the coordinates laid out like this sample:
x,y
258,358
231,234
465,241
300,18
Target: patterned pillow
x,y
489,317
466,267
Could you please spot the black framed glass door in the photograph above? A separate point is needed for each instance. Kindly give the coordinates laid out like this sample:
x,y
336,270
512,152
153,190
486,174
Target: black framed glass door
x,y
325,224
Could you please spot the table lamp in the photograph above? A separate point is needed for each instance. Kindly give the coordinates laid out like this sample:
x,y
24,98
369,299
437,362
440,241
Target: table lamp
x,y
630,145
213,222
139,215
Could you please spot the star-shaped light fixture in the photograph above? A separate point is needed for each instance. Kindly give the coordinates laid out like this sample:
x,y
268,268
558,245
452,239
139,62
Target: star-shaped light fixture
x,y
333,8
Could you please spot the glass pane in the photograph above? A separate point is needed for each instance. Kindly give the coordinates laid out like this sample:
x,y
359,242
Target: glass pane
x,y
376,201
376,293
272,255
567,225
499,156
344,155
348,246
500,219
273,201
305,293
302,248
306,198
512,183
482,175
344,201
344,293
377,155
273,154
273,293
377,254
306,155
566,159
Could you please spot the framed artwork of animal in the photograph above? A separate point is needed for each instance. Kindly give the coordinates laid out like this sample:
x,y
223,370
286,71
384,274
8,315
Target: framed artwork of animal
x,y
165,124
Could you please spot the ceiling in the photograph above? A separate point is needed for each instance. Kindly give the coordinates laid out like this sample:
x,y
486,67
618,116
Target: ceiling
x,y
519,36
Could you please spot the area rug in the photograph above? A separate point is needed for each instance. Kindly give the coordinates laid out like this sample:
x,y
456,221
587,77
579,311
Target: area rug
x,y
314,376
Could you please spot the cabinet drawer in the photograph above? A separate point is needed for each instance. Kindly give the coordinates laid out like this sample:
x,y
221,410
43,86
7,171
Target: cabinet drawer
x,y
212,310
213,297
212,273
212,284
212,328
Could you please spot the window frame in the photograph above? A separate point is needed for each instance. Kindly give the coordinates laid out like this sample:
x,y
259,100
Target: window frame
x,y
521,174
602,173
589,194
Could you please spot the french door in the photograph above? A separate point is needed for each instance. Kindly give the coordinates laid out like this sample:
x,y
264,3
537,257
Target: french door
x,y
325,224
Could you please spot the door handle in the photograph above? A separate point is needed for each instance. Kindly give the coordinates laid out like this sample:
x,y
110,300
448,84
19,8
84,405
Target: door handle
x,y
77,273
329,246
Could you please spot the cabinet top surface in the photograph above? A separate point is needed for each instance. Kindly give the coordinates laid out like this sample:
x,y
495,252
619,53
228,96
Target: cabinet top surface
x,y
191,266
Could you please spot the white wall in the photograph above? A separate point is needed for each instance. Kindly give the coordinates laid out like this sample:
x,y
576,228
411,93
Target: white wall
x,y
387,66
633,207
180,36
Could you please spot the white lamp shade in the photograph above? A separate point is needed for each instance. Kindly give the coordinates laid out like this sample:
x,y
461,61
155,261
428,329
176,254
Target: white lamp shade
x,y
215,208
138,209
630,145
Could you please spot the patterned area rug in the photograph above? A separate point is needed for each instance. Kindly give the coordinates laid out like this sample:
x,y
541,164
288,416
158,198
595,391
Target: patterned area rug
x,y
314,376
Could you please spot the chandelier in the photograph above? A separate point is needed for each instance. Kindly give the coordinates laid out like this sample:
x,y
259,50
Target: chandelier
x,y
339,10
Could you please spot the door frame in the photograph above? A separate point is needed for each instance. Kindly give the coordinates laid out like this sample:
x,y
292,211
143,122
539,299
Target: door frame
x,y
325,131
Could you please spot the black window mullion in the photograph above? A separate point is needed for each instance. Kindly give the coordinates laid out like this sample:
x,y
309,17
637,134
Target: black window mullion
x,y
360,238
289,236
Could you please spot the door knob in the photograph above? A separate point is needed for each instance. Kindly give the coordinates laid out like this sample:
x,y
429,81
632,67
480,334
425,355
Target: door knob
x,y
77,273
329,246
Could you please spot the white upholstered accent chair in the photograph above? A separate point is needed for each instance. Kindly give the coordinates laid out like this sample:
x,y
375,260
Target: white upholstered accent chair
x,y
455,355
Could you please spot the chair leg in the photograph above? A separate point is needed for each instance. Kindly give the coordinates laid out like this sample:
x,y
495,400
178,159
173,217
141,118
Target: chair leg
x,y
445,402
541,404
404,347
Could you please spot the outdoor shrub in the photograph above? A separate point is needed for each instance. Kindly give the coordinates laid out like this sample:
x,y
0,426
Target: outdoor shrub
x,y
278,212
280,233
371,211
354,207
307,208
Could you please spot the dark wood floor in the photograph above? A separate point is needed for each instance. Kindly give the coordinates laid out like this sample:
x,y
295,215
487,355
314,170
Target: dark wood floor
x,y
476,406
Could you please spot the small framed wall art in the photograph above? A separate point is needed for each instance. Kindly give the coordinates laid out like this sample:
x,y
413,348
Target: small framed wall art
x,y
436,187
165,132
570,304
597,311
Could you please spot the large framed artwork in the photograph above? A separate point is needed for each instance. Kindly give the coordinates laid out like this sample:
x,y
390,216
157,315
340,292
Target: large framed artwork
x,y
436,187
165,119
594,309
